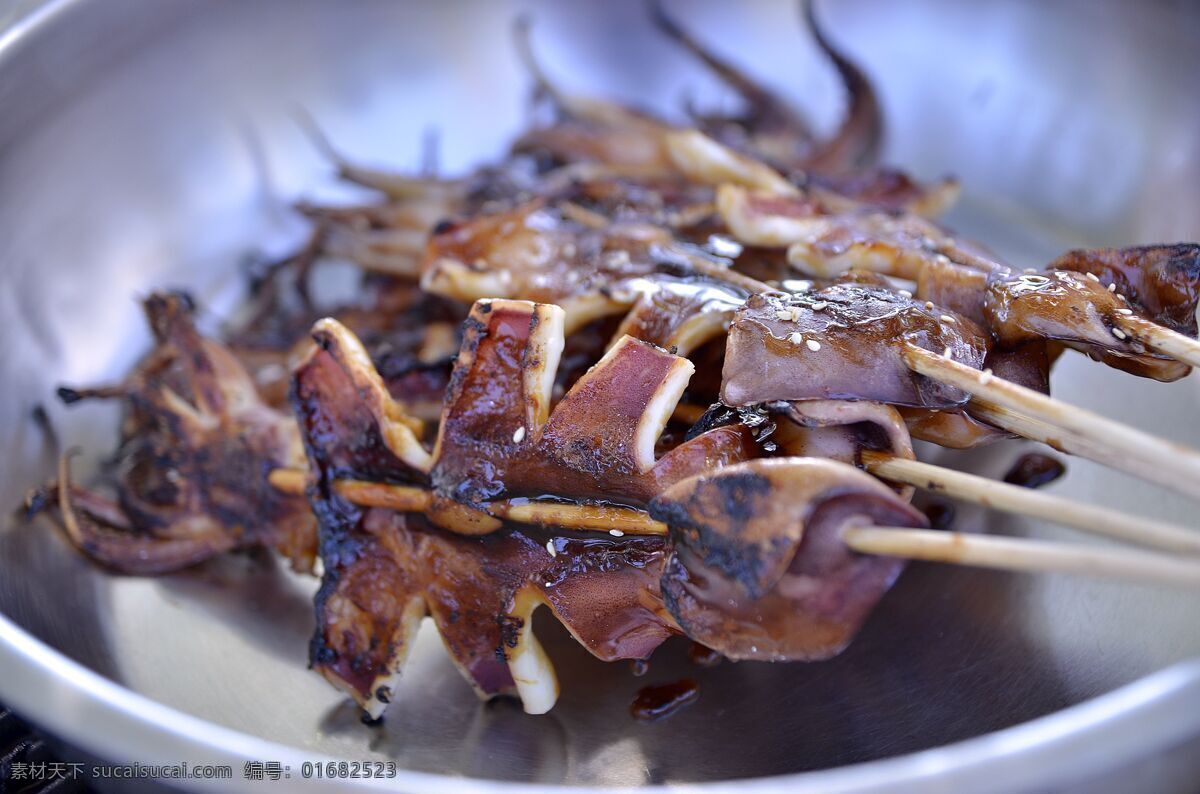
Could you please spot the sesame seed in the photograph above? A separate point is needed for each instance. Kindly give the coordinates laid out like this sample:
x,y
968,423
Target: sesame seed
x,y
1122,297
616,533
783,314
548,584
796,339
1118,333
1125,312
1093,277
947,318
904,293
819,305
550,548
519,435
947,353
929,305
1112,287
813,345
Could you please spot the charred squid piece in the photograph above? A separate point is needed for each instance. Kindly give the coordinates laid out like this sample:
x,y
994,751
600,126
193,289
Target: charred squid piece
x,y
395,185
387,238
376,586
590,130
1160,282
605,133
196,450
384,238
532,252
98,527
856,142
825,237
384,572
680,314
1017,307
606,593
769,126
387,568
670,201
539,253
840,430
499,440
410,335
843,342
889,189
759,570
352,427
1074,309
771,129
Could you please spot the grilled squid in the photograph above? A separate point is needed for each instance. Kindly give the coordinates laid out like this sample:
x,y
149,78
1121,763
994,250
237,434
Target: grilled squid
x,y
455,524
758,569
192,469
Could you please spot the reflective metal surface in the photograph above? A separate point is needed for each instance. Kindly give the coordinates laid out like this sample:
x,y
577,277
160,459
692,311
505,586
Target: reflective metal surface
x,y
150,143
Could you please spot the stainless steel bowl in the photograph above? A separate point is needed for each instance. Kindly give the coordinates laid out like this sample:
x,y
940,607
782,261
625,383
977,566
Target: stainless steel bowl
x,y
149,143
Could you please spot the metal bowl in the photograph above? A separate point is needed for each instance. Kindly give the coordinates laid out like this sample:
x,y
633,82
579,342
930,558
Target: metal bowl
x,y
145,144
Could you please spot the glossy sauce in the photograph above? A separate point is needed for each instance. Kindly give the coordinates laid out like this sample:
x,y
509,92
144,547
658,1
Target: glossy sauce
x,y
940,514
703,656
1034,470
657,702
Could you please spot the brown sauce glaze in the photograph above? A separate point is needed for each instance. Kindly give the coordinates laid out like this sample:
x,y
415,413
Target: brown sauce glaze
x,y
940,514
703,656
654,703
1034,470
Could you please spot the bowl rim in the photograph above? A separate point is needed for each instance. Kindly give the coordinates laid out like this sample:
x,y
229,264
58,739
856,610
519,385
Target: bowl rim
x,y
100,716
1107,732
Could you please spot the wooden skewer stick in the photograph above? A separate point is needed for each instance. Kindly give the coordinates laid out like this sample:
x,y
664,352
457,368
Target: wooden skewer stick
x,y
1015,499
1161,339
405,498
730,276
1065,427
412,499
1020,554
624,520
288,481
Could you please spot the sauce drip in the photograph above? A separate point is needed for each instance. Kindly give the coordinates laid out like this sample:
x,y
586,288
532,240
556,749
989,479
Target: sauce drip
x,y
1034,470
940,514
657,702
703,656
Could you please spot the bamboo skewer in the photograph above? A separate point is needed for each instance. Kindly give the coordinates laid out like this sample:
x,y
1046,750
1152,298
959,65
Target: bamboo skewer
x,y
1015,499
1020,554
412,499
1065,427
952,547
1161,339
613,520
